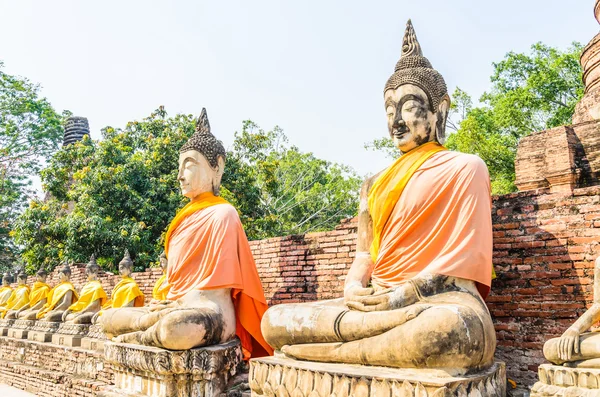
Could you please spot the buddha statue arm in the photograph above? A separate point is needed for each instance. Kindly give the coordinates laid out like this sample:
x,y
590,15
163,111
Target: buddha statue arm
x,y
65,302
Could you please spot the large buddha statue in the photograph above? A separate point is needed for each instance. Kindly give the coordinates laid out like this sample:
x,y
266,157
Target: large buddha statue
x,y
91,298
414,295
215,292
59,298
578,347
126,293
18,299
161,287
37,297
6,289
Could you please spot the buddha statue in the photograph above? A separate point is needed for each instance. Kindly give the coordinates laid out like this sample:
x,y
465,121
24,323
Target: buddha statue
x,y
6,289
59,298
414,295
37,298
215,292
126,293
578,346
18,299
91,298
161,288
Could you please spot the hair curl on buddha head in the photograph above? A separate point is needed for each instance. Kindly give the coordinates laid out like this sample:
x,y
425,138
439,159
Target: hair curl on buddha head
x,y
126,261
414,68
204,142
92,266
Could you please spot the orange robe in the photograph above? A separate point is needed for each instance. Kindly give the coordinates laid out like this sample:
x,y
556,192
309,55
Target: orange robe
x,y
208,249
441,224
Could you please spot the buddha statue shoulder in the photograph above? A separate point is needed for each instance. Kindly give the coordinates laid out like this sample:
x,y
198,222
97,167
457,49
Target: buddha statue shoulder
x,y
59,298
414,295
91,297
6,290
37,297
212,277
18,299
126,293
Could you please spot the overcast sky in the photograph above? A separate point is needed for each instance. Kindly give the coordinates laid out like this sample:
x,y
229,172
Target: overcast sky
x,y
315,68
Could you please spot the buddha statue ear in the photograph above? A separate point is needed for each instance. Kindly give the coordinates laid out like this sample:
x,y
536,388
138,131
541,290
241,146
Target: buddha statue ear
x,y
220,169
442,117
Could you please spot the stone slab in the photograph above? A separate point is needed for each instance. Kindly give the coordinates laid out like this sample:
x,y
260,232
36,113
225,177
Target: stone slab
x,y
17,333
40,336
556,380
92,344
149,371
284,376
66,340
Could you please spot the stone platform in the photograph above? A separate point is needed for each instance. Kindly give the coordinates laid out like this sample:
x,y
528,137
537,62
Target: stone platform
x,y
5,325
42,331
148,371
556,380
280,376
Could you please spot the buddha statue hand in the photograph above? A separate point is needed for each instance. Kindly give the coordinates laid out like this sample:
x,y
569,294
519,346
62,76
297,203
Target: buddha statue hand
x,y
568,344
354,289
65,314
387,299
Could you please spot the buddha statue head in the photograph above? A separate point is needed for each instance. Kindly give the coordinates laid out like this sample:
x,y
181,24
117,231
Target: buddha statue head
x,y
201,161
416,98
92,269
41,275
64,273
126,265
21,277
6,279
163,261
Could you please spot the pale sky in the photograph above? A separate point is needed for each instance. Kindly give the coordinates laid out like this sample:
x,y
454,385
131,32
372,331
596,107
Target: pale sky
x,y
315,68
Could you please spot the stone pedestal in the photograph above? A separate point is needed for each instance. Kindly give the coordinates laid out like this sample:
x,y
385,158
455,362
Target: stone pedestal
x,y
4,326
149,371
42,331
278,376
66,340
17,333
92,344
556,380
23,324
68,334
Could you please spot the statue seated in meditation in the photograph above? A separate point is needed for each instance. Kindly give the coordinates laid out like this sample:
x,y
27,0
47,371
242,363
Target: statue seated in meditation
x,y
215,292
60,297
126,293
576,347
6,289
161,288
91,298
37,297
18,299
413,297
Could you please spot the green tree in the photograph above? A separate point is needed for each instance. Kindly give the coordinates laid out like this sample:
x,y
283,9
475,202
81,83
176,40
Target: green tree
x,y
530,92
30,132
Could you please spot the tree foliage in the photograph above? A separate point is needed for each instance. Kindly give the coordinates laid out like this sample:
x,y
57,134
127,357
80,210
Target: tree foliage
x,y
530,92
30,132
122,192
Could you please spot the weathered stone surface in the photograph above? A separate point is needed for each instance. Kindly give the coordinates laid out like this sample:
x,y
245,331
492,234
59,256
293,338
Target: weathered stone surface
x,y
66,340
92,344
17,333
95,331
278,376
45,326
23,324
73,329
564,381
150,371
5,325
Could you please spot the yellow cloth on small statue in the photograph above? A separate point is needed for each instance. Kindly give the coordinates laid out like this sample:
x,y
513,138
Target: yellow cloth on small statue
x,y
18,299
5,293
203,200
124,292
55,296
388,188
39,292
90,292
160,291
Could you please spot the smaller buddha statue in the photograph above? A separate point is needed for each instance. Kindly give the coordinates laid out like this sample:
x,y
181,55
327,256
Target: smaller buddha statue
x,y
37,298
91,298
60,297
126,293
6,289
18,299
162,287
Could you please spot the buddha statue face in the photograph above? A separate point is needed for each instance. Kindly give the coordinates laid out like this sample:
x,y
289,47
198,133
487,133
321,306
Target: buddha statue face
x,y
196,176
163,262
410,118
22,279
41,277
6,279
124,269
91,272
64,276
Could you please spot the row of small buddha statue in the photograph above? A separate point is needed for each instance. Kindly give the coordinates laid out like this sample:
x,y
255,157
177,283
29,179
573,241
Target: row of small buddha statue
x,y
63,304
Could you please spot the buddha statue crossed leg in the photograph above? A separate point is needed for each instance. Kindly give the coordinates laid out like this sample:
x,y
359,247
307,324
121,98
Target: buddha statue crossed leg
x,y
424,244
215,292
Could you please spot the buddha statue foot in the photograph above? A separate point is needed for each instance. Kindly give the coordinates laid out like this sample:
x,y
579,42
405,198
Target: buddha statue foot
x,y
285,376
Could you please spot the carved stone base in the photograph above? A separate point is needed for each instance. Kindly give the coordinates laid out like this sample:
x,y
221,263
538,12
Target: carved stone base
x,y
556,380
92,344
280,376
73,329
149,371
40,336
95,331
66,340
23,324
5,325
17,333
45,326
